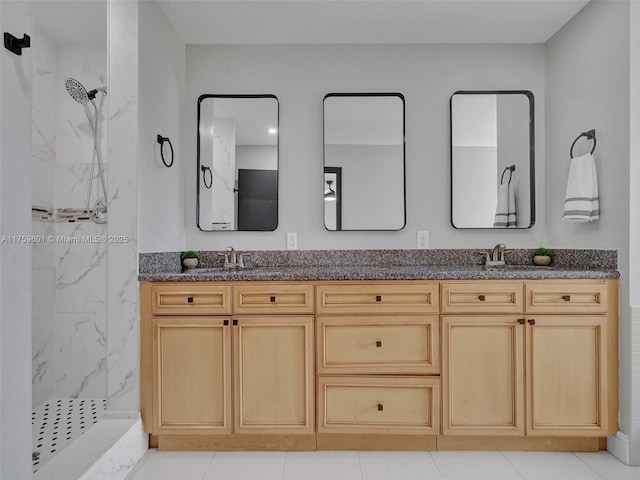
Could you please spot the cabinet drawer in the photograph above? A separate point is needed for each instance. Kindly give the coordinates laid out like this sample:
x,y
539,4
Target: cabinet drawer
x,y
270,297
386,405
566,297
482,297
190,299
401,345
368,297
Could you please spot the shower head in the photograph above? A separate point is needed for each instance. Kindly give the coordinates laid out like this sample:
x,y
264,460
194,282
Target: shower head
x,y
79,93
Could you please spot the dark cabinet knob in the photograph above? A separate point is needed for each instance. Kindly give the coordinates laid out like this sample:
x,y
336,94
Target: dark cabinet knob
x,y
566,298
272,299
379,344
532,321
481,298
235,322
189,299
225,323
378,298
380,407
521,321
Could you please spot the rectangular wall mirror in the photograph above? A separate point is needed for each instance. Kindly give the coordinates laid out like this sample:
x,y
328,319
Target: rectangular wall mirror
x,y
237,184
364,182
492,159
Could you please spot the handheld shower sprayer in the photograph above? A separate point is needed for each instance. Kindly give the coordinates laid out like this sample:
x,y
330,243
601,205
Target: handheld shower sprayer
x,y
77,91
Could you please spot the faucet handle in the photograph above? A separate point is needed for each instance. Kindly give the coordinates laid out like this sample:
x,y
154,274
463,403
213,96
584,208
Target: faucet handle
x,y
487,256
502,252
241,258
226,257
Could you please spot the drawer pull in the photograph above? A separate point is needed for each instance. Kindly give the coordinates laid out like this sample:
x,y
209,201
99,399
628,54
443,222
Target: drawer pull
x,y
225,323
378,298
380,407
532,321
521,321
189,299
566,298
481,298
378,344
273,299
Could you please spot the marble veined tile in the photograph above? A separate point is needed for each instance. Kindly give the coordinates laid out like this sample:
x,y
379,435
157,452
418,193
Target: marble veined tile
x,y
80,335
80,378
81,289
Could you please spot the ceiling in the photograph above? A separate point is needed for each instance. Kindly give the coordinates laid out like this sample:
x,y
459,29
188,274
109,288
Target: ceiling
x,y
367,21
324,21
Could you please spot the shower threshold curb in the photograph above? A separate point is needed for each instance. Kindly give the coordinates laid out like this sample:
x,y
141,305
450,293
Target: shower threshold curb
x,y
108,450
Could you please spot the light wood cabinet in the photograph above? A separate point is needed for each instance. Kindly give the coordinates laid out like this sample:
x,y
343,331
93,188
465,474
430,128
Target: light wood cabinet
x,y
377,297
408,344
192,373
566,375
380,405
273,374
456,364
208,372
554,363
483,375
387,329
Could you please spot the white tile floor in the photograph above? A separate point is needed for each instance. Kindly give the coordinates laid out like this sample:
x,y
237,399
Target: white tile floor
x,y
157,465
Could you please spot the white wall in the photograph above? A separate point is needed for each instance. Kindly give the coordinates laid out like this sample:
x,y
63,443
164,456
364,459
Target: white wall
x,y
588,87
15,258
162,67
300,76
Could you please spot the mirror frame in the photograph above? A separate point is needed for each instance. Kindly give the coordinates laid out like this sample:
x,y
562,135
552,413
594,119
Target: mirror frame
x,y
532,177
212,95
404,155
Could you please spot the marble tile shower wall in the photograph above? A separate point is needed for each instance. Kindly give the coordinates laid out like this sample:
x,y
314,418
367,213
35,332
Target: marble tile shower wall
x,y
69,279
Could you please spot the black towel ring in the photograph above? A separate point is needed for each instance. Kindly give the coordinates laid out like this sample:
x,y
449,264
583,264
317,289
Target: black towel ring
x,y
204,176
161,141
510,169
591,135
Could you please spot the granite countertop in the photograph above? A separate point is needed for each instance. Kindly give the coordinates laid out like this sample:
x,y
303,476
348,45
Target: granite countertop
x,y
370,272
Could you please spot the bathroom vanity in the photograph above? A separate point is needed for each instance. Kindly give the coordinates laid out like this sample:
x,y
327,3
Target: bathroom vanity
x,y
413,358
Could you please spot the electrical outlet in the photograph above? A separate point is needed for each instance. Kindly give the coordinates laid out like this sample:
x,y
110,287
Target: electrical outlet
x,y
422,239
292,241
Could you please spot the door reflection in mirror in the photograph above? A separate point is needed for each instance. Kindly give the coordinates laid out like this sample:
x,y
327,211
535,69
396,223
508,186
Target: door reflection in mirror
x,y
238,150
492,159
364,142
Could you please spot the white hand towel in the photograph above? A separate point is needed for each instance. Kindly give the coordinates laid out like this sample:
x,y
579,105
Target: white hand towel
x,y
581,202
506,207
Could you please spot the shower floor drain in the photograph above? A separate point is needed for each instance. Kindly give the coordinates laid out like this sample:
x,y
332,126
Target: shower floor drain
x,y
59,422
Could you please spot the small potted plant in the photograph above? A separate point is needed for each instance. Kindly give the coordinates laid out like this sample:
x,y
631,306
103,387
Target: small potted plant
x,y
542,256
189,259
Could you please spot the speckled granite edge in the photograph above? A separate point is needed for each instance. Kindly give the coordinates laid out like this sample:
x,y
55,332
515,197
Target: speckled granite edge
x,y
320,264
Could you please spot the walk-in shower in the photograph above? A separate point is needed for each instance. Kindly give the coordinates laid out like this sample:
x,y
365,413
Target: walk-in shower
x,y
83,97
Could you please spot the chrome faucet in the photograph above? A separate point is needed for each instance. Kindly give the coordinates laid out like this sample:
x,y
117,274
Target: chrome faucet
x,y
232,259
496,257
498,253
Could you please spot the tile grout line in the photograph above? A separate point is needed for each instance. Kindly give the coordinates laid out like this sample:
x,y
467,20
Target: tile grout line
x,y
593,469
359,464
512,465
206,470
436,465
284,465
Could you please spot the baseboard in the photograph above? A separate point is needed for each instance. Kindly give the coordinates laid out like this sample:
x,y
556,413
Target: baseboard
x,y
618,445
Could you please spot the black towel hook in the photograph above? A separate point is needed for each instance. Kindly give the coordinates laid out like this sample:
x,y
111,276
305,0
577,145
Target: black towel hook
x,y
510,169
161,141
591,135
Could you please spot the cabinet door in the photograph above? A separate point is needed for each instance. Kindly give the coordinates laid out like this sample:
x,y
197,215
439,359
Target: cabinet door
x,y
273,374
482,377
566,375
192,375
